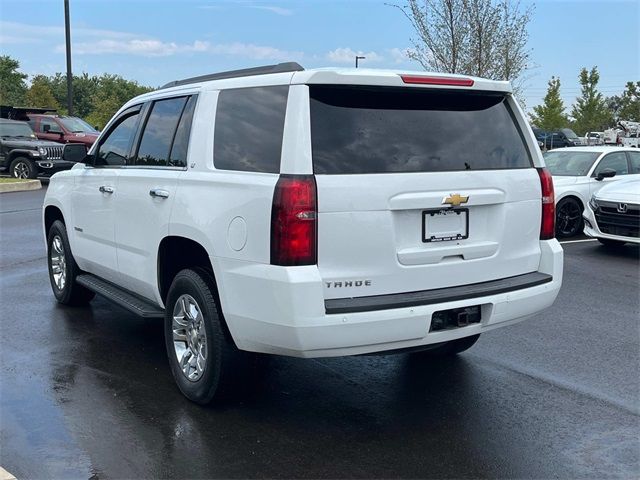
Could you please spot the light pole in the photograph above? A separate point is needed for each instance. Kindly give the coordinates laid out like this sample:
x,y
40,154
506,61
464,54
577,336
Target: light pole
x,y
67,32
359,58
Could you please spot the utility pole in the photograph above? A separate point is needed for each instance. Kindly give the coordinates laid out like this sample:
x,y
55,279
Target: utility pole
x,y
67,31
359,58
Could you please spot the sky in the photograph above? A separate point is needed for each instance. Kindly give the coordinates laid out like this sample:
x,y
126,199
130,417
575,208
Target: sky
x,y
156,41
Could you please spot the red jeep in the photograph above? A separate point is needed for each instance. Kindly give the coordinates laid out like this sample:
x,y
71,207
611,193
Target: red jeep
x,y
62,129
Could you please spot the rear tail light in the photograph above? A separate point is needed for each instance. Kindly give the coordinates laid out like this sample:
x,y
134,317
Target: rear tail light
x,y
294,221
548,224
425,80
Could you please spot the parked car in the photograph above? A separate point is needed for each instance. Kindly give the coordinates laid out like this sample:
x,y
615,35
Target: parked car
x,y
63,129
565,137
22,155
594,138
579,172
309,213
613,213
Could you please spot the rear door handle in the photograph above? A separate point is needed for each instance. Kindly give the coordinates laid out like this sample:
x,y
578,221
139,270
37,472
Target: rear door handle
x,y
105,189
159,193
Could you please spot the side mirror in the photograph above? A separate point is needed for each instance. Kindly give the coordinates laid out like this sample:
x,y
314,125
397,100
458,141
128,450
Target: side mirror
x,y
74,152
606,173
96,128
46,128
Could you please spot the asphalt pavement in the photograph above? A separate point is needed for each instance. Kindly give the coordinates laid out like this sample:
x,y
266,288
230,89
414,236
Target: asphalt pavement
x,y
87,393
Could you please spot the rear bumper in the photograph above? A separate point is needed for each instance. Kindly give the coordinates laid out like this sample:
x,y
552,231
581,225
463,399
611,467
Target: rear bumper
x,y
282,311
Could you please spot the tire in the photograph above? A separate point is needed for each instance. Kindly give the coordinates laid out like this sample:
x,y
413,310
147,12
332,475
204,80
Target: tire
x,y
451,348
22,167
63,269
205,363
611,243
569,220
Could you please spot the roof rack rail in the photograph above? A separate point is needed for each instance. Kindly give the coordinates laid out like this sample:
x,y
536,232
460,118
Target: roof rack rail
x,y
245,72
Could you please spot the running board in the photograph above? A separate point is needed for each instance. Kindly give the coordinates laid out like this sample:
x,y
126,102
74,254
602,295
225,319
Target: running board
x,y
127,300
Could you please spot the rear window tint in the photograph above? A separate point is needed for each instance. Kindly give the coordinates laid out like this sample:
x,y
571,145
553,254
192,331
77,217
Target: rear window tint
x,y
390,130
249,127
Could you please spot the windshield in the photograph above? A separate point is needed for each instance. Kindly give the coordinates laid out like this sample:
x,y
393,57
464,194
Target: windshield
x,y
569,164
77,125
569,133
17,129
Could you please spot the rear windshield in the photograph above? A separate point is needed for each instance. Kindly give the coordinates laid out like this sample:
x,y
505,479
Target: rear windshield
x,y
569,164
390,130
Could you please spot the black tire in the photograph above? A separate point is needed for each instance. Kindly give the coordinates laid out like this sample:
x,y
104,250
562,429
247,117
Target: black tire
x,y
611,243
22,167
224,363
569,220
67,292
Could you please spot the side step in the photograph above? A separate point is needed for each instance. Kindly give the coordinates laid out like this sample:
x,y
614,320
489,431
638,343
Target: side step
x,y
127,300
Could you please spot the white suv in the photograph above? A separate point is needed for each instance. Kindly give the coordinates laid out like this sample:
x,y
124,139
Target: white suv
x,y
309,213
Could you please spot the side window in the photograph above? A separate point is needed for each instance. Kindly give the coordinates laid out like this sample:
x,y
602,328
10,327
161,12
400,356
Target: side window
x,y
634,160
616,161
116,147
249,127
47,124
178,156
159,132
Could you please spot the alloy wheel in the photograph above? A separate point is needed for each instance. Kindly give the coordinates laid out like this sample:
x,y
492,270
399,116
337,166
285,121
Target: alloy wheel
x,y
189,337
58,263
21,170
568,218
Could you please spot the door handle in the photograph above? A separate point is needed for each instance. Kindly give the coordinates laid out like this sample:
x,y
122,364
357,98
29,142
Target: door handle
x,y
159,193
106,189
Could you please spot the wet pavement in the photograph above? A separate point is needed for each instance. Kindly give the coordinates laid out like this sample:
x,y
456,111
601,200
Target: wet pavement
x,y
88,392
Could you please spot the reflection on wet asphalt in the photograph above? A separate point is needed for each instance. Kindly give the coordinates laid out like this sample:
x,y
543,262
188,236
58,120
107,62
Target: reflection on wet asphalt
x,y
88,392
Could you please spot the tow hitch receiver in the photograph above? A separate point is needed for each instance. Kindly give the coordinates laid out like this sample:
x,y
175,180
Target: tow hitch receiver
x,y
455,318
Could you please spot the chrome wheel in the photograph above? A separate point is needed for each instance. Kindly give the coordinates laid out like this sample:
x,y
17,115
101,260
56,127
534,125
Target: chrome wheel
x,y
58,263
21,170
189,337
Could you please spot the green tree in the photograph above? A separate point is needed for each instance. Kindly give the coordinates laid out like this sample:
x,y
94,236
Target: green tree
x,y
550,115
12,82
630,102
40,95
590,111
112,92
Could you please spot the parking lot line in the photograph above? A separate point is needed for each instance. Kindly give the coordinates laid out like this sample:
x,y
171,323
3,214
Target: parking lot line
x,y
582,240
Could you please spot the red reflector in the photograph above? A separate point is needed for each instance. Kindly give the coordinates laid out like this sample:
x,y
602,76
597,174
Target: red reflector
x,y
452,81
548,224
294,221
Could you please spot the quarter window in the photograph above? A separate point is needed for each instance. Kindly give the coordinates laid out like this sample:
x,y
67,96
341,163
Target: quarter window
x,y
616,161
159,131
115,149
249,128
178,156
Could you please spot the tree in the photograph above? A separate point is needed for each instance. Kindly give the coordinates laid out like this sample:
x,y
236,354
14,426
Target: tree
x,y
12,82
486,38
590,112
630,102
40,95
550,115
112,92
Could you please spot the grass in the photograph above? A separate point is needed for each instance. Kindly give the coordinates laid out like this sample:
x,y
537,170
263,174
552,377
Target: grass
x,y
12,180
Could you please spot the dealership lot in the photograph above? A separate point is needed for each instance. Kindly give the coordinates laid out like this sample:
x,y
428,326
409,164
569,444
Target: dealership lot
x,y
88,391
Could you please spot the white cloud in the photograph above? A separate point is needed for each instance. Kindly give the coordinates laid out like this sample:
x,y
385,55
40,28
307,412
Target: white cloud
x,y
89,41
272,9
398,55
348,55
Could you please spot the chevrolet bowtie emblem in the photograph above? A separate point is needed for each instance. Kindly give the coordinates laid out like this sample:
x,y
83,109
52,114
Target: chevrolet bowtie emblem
x,y
455,199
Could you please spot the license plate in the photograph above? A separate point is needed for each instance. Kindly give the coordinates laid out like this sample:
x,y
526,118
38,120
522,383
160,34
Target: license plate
x,y
445,224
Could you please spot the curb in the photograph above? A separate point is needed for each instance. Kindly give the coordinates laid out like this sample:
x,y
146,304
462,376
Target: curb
x,y
20,186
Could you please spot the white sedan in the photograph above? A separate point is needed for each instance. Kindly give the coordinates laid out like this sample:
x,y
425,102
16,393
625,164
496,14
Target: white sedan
x,y
613,214
579,172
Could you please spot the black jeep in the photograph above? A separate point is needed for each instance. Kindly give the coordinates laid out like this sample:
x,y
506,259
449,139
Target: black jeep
x,y
24,156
